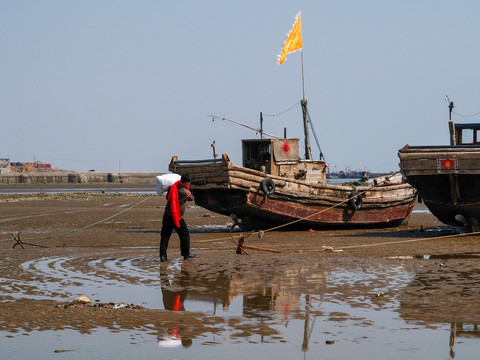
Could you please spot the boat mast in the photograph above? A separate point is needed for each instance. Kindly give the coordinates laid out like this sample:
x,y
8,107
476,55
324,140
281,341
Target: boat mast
x,y
308,151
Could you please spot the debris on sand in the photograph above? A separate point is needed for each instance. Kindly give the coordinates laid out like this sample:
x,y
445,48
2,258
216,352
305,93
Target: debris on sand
x,y
81,300
85,302
331,249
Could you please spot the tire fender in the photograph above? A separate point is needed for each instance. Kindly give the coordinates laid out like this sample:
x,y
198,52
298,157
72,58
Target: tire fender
x,y
268,186
355,201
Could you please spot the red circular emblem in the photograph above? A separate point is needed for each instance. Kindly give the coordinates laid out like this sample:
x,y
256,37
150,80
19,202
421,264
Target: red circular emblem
x,y
448,164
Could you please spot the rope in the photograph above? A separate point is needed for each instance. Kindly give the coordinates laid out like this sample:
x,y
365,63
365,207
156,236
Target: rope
x,y
87,226
267,230
322,157
324,210
311,215
472,115
407,241
112,216
282,112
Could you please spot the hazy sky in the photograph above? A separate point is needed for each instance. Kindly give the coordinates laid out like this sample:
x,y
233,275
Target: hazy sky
x,y
125,85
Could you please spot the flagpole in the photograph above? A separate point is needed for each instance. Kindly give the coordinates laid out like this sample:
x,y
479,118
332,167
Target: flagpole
x,y
308,154
292,43
303,77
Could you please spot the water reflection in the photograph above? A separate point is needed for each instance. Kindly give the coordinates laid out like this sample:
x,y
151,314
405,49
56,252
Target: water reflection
x,y
287,304
264,303
446,292
462,330
174,293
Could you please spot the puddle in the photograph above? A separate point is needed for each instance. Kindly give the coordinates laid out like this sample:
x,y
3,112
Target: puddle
x,y
448,256
212,228
334,308
421,211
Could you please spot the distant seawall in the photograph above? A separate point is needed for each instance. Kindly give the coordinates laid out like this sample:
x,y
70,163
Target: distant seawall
x,y
78,178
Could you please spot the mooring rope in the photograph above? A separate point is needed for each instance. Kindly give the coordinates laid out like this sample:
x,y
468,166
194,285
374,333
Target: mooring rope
x,y
266,230
407,241
370,187
86,226
329,208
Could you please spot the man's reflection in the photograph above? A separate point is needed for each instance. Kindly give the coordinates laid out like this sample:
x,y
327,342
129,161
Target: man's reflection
x,y
174,293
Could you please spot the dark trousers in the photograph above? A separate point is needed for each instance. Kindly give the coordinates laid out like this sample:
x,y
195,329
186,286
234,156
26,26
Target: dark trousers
x,y
167,227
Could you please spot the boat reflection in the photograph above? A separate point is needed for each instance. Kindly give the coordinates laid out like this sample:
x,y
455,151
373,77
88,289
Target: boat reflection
x,y
272,303
444,297
463,330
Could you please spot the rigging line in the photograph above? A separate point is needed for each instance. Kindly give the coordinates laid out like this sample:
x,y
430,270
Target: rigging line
x,y
453,112
317,213
246,126
282,112
87,226
315,136
324,210
408,241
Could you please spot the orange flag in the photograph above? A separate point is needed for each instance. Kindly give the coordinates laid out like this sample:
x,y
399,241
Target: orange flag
x,y
293,41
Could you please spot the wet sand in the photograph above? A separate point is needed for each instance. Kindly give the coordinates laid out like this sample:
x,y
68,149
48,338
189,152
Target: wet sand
x,y
98,238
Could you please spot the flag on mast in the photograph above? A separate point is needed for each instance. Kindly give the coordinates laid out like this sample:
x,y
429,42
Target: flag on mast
x,y
293,41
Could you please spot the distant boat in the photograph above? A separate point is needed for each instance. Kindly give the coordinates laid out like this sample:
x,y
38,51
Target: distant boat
x,y
447,177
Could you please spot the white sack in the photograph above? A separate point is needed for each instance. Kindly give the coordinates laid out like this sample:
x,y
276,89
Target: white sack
x,y
165,181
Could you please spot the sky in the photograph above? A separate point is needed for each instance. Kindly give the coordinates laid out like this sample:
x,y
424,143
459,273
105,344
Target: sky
x,y
125,85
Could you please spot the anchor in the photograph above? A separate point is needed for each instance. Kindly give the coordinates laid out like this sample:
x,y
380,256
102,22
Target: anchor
x,y
241,245
18,241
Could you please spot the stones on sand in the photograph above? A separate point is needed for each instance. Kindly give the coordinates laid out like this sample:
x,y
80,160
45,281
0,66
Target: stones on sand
x,y
81,300
85,302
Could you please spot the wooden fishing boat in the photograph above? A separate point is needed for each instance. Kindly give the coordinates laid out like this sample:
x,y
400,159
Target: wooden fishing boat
x,y
274,188
448,177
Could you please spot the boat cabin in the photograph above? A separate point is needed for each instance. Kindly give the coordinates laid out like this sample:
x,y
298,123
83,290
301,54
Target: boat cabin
x,y
280,157
467,134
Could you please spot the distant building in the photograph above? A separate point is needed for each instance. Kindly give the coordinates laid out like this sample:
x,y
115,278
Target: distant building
x,y
42,165
4,166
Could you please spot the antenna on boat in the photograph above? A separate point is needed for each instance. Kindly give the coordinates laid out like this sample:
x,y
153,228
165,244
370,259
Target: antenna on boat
x,y
451,126
450,107
213,148
261,125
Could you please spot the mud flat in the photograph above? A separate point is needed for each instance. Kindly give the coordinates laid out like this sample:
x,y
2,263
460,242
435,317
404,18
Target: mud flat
x,y
422,277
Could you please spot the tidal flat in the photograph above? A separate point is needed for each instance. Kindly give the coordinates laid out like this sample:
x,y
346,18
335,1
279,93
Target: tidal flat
x,y
406,292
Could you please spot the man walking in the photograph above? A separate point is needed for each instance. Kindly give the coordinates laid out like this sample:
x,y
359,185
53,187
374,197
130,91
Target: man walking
x,y
177,196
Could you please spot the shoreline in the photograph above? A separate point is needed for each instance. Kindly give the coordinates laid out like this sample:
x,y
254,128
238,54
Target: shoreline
x,y
73,177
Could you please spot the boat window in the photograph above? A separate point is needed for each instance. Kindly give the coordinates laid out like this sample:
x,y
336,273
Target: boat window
x,y
467,136
257,155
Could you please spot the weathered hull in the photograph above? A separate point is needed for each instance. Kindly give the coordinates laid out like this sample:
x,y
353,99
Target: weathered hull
x,y
447,179
258,210
228,189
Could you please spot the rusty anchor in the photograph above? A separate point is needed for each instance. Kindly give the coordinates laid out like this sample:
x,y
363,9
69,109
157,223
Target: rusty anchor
x,y
241,245
18,241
